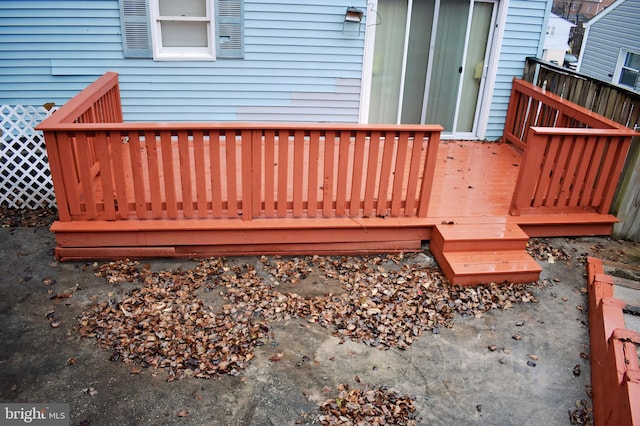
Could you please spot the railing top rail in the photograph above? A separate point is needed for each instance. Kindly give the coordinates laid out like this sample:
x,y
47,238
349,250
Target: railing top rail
x,y
81,102
557,102
152,126
623,131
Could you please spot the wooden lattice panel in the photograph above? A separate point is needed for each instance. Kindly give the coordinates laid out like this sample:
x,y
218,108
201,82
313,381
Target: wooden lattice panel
x,y
25,178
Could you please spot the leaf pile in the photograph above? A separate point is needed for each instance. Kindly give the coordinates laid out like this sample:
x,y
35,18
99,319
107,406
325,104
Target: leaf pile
x,y
540,249
582,415
368,406
387,301
12,217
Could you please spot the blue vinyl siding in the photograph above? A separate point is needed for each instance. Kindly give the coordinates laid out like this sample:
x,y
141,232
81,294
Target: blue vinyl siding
x,y
298,64
523,36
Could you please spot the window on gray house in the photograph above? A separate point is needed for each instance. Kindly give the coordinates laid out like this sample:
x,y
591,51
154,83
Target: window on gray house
x,y
630,70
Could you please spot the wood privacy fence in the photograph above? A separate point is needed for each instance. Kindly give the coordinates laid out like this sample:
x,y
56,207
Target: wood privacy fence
x,y
615,102
573,158
104,169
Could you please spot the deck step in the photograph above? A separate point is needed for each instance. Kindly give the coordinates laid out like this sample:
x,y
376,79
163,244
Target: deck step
x,y
482,253
480,237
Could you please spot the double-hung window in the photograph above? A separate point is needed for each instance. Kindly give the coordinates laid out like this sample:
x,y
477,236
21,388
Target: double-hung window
x,y
185,30
628,69
182,29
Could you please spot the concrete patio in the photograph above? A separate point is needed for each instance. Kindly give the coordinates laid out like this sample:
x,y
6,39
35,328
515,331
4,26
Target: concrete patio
x,y
453,373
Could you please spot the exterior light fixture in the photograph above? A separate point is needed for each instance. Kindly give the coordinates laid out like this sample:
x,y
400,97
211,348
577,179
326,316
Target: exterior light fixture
x,y
352,19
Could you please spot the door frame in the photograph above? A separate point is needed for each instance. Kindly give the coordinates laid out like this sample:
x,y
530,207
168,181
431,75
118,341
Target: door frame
x,y
486,95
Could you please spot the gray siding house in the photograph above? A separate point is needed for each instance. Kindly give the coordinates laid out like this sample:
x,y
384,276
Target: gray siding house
x,y
611,45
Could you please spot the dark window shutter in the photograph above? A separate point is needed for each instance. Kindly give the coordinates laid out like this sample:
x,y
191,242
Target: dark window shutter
x,y
136,32
230,29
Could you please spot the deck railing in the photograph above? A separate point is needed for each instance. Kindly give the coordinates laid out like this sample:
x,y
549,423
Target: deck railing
x,y
105,169
573,157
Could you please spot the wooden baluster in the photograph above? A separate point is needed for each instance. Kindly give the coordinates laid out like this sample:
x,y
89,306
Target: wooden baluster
x,y
215,170
428,173
314,164
358,171
185,173
232,172
155,190
168,172
344,165
328,179
117,147
247,175
298,172
139,189
283,163
397,194
389,141
372,171
106,175
269,173
414,173
256,171
200,173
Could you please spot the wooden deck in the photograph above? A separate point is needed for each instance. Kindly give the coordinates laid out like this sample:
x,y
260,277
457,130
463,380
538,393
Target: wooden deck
x,y
209,189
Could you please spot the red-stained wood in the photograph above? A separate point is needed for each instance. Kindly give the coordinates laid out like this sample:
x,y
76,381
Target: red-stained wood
x,y
55,165
256,153
231,174
428,175
269,173
200,173
216,173
106,175
116,148
372,171
314,172
616,171
169,178
69,169
397,193
153,167
385,174
327,178
298,172
85,164
136,173
344,143
283,173
331,187
184,159
246,175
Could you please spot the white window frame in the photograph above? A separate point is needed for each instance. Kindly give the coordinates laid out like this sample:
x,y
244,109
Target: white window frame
x,y
622,58
162,53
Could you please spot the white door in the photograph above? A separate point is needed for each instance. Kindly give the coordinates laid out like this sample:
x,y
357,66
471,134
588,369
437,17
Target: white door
x,y
429,62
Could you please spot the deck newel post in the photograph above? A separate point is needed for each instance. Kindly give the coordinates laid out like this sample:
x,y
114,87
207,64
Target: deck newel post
x,y
57,175
429,172
246,137
528,173
509,122
256,171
